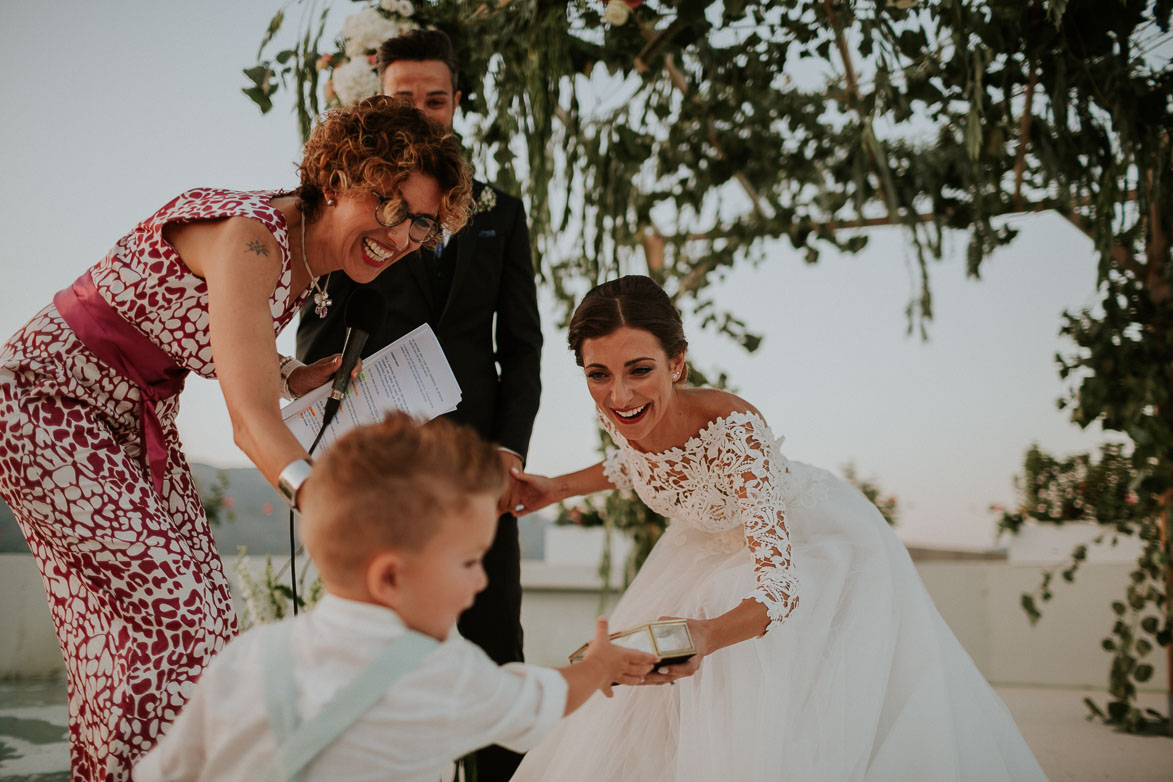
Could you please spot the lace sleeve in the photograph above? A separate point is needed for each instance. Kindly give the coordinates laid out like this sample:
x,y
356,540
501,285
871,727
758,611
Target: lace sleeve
x,y
615,469
614,462
755,468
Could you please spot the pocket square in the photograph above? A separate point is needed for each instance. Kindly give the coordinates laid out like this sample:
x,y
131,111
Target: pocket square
x,y
488,233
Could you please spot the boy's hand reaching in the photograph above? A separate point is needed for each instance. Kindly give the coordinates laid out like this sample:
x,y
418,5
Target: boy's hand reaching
x,y
618,664
604,665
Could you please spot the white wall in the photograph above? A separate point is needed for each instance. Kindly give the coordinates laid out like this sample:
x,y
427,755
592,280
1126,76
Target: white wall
x,y
1039,543
979,600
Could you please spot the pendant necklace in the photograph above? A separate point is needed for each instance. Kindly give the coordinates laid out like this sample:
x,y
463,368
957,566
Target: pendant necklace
x,y
322,299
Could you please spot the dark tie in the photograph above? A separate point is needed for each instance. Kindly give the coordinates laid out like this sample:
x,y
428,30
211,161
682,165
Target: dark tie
x,y
444,265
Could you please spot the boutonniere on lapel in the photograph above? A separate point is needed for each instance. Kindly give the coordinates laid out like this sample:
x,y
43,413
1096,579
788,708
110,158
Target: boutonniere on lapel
x,y
485,201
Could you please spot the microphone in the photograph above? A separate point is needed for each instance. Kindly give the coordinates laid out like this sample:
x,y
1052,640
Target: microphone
x,y
365,310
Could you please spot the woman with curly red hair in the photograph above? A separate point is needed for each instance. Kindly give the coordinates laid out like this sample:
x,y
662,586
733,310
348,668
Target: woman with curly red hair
x,y
90,459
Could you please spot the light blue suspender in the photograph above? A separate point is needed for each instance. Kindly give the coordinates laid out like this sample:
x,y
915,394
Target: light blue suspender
x,y
298,744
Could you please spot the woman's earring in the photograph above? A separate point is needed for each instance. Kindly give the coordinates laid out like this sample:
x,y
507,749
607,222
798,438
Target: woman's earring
x,y
330,202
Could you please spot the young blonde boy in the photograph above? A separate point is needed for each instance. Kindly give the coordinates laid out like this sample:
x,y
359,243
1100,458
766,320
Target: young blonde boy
x,y
373,683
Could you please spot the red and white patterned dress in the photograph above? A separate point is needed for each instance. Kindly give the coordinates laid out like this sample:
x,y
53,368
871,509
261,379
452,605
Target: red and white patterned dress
x,y
136,588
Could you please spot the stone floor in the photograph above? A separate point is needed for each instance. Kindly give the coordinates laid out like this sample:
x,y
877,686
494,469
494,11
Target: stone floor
x,y
1072,749
34,747
34,733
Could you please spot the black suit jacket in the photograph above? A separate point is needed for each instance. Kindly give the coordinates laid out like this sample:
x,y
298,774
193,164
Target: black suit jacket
x,y
488,326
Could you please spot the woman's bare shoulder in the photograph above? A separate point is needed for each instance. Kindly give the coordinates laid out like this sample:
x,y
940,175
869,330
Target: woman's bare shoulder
x,y
713,403
205,244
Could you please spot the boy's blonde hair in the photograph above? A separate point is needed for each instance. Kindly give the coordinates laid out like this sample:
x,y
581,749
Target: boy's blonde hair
x,y
389,485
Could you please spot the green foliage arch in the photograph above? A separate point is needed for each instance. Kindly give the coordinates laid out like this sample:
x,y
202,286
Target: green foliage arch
x,y
694,134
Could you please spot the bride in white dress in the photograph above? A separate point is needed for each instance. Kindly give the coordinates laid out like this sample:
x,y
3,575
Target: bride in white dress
x,y
820,656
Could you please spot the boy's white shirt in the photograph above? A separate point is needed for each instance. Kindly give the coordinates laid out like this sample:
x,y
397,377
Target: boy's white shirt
x,y
454,701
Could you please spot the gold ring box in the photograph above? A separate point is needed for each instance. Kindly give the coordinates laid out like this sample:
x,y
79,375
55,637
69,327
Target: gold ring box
x,y
668,639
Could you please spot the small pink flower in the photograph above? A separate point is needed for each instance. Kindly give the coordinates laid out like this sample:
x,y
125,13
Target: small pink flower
x,y
1131,498
371,59
324,62
228,503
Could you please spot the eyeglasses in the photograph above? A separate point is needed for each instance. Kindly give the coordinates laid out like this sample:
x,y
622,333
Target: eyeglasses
x,y
391,211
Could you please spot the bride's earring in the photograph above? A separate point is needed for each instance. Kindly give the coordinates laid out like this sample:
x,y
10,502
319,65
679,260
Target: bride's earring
x,y
330,202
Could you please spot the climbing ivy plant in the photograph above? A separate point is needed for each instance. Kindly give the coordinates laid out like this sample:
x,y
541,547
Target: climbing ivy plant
x,y
1102,490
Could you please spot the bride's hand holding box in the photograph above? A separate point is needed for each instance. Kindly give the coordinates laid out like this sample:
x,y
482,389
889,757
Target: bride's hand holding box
x,y
671,639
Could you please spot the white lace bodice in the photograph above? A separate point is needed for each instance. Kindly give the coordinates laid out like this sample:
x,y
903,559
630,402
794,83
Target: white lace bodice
x,y
728,475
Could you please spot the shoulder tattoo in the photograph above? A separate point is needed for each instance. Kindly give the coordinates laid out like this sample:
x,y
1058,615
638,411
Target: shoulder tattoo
x,y
258,247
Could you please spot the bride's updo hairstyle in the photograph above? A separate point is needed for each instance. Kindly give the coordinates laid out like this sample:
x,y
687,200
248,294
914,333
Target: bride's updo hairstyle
x,y
634,301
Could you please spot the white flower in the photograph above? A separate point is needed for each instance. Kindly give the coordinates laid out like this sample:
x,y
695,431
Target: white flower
x,y
354,80
486,201
399,7
365,30
617,12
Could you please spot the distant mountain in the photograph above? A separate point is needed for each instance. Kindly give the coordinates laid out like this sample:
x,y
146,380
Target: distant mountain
x,y
254,516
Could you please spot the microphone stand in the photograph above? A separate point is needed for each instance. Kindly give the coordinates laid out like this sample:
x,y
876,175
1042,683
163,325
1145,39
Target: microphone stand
x,y
294,549
364,316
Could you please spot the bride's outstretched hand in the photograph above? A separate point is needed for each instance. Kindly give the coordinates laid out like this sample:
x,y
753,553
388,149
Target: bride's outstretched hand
x,y
531,492
668,674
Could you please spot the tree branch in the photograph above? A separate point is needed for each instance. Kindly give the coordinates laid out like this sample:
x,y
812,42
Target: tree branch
x,y
853,101
1121,255
1024,133
655,42
845,53
1156,249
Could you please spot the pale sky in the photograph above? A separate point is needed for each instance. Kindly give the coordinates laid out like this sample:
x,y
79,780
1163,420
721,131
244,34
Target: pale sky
x,y
113,108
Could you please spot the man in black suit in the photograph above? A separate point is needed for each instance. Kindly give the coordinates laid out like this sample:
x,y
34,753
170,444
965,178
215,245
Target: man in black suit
x,y
477,292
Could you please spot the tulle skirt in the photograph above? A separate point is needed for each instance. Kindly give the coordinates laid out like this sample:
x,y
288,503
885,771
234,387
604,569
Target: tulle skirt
x,y
864,681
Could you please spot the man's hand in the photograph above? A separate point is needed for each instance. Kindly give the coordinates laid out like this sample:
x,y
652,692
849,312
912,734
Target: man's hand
x,y
510,498
531,493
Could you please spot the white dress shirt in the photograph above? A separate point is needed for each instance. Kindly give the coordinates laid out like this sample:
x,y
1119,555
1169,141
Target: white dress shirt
x,y
451,703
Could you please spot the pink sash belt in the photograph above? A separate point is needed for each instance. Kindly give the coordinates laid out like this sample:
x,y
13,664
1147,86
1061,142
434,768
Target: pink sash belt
x,y
129,353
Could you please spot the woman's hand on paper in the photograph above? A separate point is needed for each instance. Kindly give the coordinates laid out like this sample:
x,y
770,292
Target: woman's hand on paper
x,y
305,379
